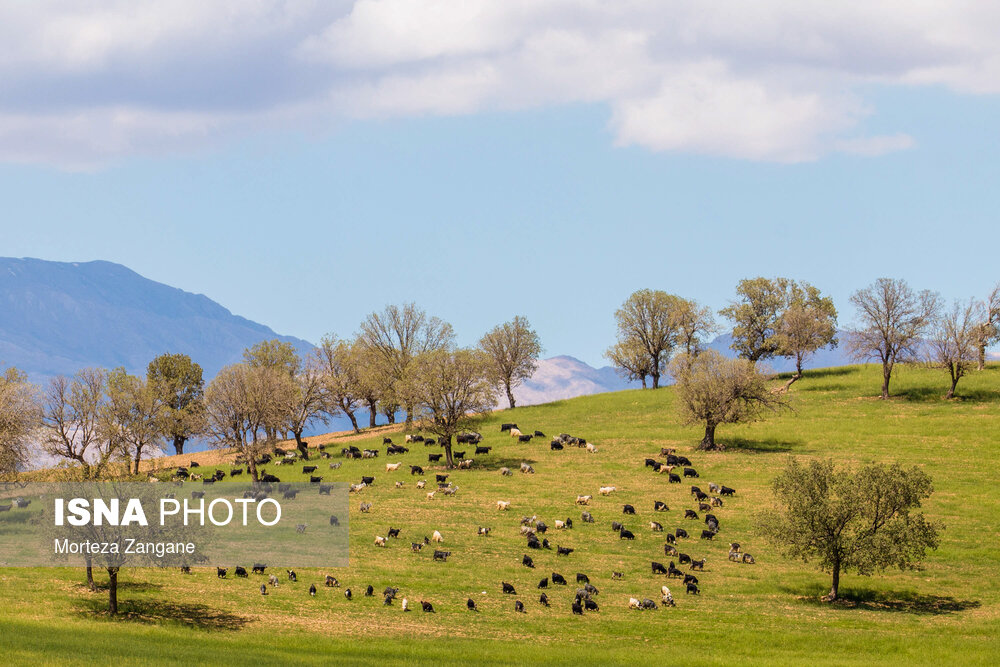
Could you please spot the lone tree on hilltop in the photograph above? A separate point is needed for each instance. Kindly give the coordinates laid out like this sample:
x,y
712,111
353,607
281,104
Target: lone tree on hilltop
x,y
512,349
893,320
630,360
861,521
714,390
648,321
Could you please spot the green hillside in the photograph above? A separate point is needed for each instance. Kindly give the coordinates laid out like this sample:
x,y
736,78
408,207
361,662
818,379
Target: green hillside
x,y
767,611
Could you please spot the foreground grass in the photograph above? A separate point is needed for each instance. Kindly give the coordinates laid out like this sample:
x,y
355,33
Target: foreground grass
x,y
763,613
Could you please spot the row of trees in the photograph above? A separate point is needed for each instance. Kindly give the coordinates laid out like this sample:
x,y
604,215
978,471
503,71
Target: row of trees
x,y
401,359
779,317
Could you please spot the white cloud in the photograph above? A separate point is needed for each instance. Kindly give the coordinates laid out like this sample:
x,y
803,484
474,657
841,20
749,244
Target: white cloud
x,y
97,81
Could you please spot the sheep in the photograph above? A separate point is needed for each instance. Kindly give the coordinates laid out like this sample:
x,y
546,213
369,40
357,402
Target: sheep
x,y
634,604
591,448
515,433
421,484
392,467
503,505
506,472
430,495
583,500
379,541
665,597
607,490
466,464
437,537
526,468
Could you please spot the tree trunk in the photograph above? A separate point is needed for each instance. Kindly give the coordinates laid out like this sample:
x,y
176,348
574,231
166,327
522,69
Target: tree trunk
x,y
372,413
447,451
90,573
789,384
954,382
981,358
179,441
886,374
354,420
390,416
112,590
409,417
300,445
510,396
252,468
708,442
835,588
656,380
643,378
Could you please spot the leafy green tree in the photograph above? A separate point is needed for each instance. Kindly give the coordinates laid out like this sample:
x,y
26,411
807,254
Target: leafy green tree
x,y
20,418
648,320
893,319
177,382
694,324
756,315
807,323
861,521
309,402
449,390
273,353
714,390
512,349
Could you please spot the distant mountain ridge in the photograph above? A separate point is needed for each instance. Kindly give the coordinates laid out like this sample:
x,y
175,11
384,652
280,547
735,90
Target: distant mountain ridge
x,y
562,377
58,317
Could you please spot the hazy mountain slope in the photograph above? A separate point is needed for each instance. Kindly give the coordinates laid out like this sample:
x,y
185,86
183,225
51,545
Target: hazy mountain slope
x,y
566,377
57,317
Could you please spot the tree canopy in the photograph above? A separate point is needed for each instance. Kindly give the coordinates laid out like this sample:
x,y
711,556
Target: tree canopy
x,y
892,319
177,382
861,521
20,417
714,390
648,321
953,341
512,349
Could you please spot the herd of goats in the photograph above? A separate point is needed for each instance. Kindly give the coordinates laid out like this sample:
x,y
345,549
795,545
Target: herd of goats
x,y
532,529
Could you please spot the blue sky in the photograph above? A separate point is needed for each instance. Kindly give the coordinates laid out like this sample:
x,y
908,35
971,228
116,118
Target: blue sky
x,y
554,207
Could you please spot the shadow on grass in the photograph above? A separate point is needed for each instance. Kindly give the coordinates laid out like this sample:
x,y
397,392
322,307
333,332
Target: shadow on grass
x,y
936,395
760,446
867,599
127,586
156,612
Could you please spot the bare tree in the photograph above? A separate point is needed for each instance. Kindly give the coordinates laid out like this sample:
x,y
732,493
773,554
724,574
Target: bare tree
x,y
20,417
72,421
309,401
246,406
341,382
512,349
131,417
648,319
630,360
449,390
400,333
954,341
988,331
893,318
375,387
714,390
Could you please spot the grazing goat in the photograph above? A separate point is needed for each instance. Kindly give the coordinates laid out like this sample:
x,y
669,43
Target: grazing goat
x,y
334,521
526,468
434,458
416,546
393,533
665,597
470,604
692,589
698,564
690,514
628,509
506,472
508,589
258,568
272,580
483,531
544,583
416,470
527,562
607,490
587,517
240,571
726,491
483,450
634,604
392,467
564,551
331,582
515,433
427,607
379,541
680,532
441,555
617,576
558,579
421,484
577,608
365,508
747,558
707,534
669,550
220,572
591,448
658,568
656,527
673,478
583,500
555,445
503,505
660,506
626,535
437,537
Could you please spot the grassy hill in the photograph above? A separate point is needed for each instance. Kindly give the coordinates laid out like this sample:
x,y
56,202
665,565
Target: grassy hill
x,y
768,611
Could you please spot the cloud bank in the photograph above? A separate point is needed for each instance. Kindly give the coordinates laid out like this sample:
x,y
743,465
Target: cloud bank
x,y
92,82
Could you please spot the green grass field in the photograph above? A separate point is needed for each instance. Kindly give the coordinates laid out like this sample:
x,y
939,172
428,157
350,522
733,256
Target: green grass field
x,y
947,611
